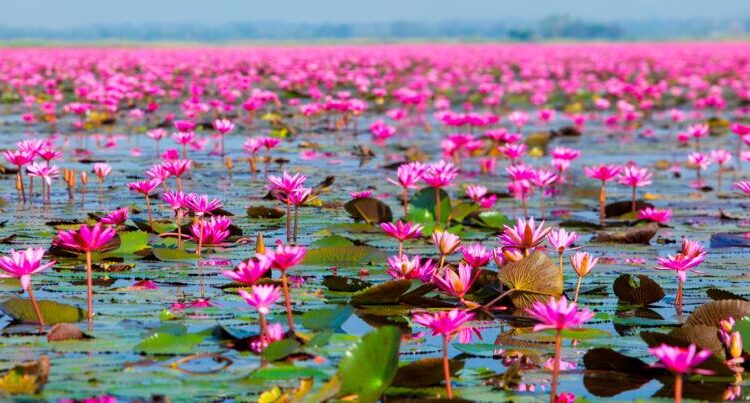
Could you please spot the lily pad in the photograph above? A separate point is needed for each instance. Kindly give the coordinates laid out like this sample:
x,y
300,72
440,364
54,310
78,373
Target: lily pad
x,y
265,212
164,343
425,372
382,294
635,235
369,367
53,312
639,289
281,349
327,318
344,256
373,211
711,313
533,278
168,254
425,199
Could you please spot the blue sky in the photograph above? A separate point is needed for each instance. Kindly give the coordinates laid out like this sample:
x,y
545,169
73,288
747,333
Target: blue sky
x,y
72,13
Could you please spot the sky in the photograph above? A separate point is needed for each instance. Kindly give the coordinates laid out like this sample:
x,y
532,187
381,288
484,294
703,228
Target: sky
x,y
75,13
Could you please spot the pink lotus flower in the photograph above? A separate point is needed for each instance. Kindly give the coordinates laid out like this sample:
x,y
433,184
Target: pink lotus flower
x,y
223,126
22,264
635,177
144,187
524,236
117,217
457,284
212,231
682,264
558,315
583,263
513,151
561,239
744,186
446,242
202,205
402,231
401,267
565,153
250,271
447,324
444,323
285,257
46,172
476,255
656,215
680,360
700,160
101,170
86,239
603,172
361,195
381,131
262,297
408,175
440,174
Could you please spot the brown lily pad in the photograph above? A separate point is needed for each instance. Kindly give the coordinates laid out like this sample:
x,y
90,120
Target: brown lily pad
x,y
701,335
265,212
639,289
636,235
617,209
373,211
533,278
711,313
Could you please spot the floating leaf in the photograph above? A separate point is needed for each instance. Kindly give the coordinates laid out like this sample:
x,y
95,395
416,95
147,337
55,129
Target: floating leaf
x,y
65,331
164,343
425,199
281,349
711,313
701,335
617,209
579,334
345,284
53,312
333,240
373,211
718,295
610,373
369,367
345,256
639,289
489,219
425,372
328,318
168,254
533,278
461,210
286,372
635,235
479,349
265,212
27,378
382,294
729,240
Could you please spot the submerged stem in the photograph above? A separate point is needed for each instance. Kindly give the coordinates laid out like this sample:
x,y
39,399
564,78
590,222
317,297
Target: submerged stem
x,y
447,369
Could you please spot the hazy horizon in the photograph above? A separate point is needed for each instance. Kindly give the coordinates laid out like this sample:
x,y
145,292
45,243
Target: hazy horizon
x,y
56,14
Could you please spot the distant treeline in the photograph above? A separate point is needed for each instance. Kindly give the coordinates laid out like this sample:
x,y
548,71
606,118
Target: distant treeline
x,y
552,27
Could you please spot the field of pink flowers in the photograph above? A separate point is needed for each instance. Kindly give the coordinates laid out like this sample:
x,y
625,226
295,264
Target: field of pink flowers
x,y
375,223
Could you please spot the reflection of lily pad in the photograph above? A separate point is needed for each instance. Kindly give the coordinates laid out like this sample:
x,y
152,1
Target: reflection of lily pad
x,y
425,372
533,278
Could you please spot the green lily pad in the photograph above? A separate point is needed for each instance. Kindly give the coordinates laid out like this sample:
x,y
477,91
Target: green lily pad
x,y
425,199
168,254
164,343
53,312
281,349
370,366
345,256
333,240
328,318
